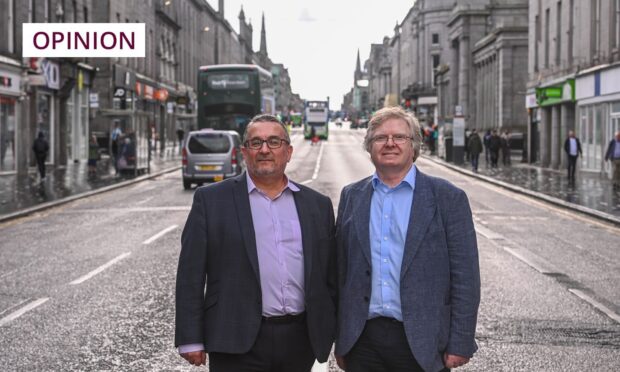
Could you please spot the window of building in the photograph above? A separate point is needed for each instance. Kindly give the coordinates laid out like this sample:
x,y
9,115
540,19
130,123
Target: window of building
x,y
435,65
75,11
435,39
7,134
595,28
558,34
571,24
85,15
47,10
7,35
547,24
536,41
616,24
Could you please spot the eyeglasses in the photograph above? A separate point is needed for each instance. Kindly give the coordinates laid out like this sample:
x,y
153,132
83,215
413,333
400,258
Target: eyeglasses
x,y
398,139
272,143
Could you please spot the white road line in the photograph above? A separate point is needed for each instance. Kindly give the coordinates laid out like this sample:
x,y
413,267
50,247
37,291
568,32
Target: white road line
x,y
317,167
305,182
14,306
159,234
487,233
319,367
84,278
19,312
145,200
528,261
610,313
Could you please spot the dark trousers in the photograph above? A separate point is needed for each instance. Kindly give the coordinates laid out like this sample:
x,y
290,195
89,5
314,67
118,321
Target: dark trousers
x,y
41,166
474,161
382,347
572,165
494,158
279,347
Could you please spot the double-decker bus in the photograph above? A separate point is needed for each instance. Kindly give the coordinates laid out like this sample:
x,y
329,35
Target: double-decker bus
x,y
230,95
316,115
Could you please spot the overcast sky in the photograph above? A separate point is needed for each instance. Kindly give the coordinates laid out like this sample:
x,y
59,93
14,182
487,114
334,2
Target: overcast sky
x,y
317,40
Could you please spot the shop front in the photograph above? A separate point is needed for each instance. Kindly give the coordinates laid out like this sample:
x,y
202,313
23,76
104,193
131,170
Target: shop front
x,y
598,112
9,93
77,115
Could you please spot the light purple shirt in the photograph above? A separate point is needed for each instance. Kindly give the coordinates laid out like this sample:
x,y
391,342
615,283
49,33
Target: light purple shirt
x,y
280,253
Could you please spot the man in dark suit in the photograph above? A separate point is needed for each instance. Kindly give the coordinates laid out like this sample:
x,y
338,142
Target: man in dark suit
x,y
266,247
572,146
408,275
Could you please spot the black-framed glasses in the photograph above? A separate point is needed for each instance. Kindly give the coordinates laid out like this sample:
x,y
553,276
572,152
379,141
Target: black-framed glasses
x,y
257,143
399,139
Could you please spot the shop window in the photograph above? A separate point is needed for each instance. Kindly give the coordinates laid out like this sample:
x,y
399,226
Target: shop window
x,y
7,134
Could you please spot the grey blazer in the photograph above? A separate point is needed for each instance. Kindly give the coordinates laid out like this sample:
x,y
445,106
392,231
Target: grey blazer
x,y
439,280
219,247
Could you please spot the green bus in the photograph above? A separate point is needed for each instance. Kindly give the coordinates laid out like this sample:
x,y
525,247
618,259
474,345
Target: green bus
x,y
230,95
316,116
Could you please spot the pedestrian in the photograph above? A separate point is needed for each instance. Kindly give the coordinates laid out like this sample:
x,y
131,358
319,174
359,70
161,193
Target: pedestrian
x,y
487,151
409,281
495,144
467,134
505,147
180,135
475,148
41,148
572,146
115,136
93,155
613,154
266,247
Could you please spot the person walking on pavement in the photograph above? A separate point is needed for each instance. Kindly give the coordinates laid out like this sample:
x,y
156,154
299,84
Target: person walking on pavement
x,y
467,134
93,155
613,154
572,146
408,272
266,247
495,144
475,148
505,146
487,142
41,148
180,135
115,136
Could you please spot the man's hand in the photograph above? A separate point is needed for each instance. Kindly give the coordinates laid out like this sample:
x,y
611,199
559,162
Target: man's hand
x,y
341,363
196,358
453,361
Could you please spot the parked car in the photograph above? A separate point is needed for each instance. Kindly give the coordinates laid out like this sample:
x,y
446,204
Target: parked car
x,y
211,156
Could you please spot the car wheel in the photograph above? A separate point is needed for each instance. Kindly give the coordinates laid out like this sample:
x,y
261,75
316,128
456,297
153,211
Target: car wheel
x,y
187,184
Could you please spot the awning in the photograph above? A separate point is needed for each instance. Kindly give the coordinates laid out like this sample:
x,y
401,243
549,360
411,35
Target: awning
x,y
427,101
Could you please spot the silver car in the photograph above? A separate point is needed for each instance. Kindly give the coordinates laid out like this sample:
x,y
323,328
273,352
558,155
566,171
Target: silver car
x,y
210,156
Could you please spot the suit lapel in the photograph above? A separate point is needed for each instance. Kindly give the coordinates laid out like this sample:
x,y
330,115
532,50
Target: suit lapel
x,y
303,206
361,215
244,214
422,212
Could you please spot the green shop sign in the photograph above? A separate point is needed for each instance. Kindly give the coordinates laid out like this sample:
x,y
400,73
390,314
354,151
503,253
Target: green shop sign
x,y
553,95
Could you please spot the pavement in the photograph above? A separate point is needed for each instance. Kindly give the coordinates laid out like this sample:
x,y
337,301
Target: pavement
x,y
23,195
590,193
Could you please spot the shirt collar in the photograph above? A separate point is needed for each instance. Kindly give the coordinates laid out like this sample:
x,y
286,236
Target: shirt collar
x,y
409,179
289,185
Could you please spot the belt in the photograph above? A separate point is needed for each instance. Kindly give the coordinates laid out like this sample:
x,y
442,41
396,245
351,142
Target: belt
x,y
285,319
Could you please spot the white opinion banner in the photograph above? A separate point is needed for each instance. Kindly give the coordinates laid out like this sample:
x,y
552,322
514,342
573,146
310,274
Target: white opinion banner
x,y
84,40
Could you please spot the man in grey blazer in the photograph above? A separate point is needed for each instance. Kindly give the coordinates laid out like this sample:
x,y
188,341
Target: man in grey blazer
x,y
408,275
265,247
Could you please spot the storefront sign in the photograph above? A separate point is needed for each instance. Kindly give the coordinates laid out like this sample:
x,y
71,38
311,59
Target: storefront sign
x,y
94,100
161,95
552,95
530,101
148,91
170,107
51,71
9,83
119,93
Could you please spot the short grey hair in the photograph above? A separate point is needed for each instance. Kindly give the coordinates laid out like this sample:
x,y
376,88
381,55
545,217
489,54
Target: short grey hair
x,y
266,118
396,112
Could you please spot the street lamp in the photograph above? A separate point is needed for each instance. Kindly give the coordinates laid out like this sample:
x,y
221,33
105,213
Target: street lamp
x,y
206,29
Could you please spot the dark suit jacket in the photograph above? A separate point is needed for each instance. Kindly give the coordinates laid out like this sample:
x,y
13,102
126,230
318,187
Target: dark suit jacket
x,y
567,146
439,281
218,244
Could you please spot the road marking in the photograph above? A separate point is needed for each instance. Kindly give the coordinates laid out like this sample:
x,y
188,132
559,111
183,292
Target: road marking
x,y
319,367
528,261
14,306
159,234
17,313
487,233
317,167
84,278
137,209
607,311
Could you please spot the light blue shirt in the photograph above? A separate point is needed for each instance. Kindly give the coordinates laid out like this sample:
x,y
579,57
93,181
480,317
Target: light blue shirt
x,y
390,209
572,146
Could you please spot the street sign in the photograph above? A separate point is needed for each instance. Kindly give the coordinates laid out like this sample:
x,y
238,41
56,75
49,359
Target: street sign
x,y
94,100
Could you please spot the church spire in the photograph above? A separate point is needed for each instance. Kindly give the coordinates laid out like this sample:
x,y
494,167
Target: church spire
x,y
263,38
358,65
